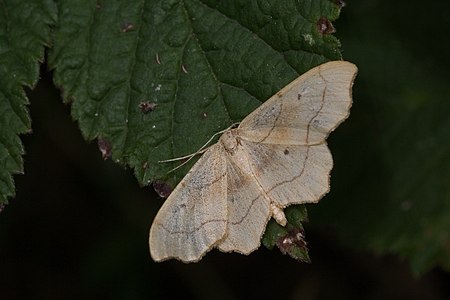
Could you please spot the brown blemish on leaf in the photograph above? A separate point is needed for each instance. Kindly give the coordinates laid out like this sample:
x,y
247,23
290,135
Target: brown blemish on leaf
x,y
147,106
162,188
294,238
324,26
127,26
341,3
105,147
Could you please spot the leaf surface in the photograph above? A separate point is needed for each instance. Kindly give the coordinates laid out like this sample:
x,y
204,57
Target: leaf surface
x,y
201,65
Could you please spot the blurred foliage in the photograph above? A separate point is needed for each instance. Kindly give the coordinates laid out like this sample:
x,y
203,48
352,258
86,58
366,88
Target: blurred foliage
x,y
391,183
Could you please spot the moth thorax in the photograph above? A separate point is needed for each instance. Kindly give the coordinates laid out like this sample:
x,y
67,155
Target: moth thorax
x,y
229,141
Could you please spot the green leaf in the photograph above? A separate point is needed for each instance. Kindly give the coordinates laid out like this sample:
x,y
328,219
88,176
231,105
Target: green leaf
x,y
24,31
154,80
202,65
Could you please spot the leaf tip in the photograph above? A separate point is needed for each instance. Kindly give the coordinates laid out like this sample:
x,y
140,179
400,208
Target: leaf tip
x,y
162,188
294,244
105,147
340,3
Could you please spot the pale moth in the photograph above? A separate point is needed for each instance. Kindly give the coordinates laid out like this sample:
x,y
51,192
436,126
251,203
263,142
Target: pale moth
x,y
276,157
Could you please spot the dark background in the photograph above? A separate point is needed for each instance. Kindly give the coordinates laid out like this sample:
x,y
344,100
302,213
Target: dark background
x,y
78,226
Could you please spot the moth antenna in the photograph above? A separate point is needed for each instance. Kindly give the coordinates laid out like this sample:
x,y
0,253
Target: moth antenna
x,y
185,162
199,151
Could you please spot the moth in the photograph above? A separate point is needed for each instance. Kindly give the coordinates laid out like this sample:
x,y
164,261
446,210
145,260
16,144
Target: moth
x,y
276,157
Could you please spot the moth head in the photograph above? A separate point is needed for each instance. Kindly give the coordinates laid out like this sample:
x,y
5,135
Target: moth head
x,y
230,140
